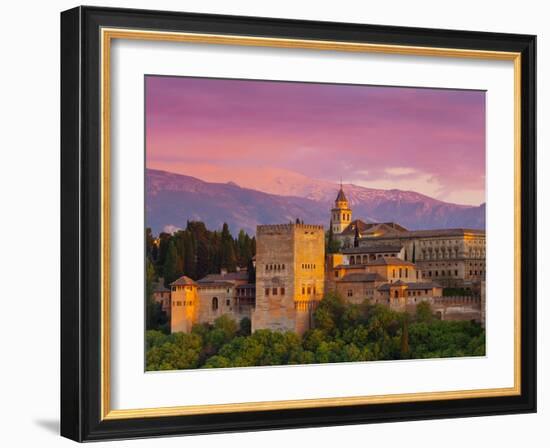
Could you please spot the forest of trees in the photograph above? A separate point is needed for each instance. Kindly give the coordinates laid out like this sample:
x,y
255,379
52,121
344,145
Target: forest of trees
x,y
194,252
197,251
342,332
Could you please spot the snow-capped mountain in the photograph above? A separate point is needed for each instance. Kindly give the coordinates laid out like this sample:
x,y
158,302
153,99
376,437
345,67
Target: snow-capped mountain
x,y
279,197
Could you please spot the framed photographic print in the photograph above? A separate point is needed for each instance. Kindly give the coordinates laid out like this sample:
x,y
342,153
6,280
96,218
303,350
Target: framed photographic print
x,y
273,223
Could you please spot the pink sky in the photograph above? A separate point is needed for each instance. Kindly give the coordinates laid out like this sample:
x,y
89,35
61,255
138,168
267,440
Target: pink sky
x,y
427,140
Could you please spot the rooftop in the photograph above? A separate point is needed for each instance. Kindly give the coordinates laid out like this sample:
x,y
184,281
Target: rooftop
x,y
362,277
393,261
183,281
373,227
409,285
341,196
372,249
225,277
434,233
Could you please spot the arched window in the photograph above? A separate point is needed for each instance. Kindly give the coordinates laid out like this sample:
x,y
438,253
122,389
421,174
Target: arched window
x,y
214,304
396,294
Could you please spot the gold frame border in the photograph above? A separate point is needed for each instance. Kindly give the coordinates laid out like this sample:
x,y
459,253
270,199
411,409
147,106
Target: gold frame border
x,y
107,35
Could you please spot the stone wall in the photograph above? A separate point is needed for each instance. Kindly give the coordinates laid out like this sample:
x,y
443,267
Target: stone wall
x,y
289,269
185,308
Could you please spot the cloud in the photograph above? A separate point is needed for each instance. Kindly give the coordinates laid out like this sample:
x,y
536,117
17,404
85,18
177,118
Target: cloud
x,y
423,183
400,171
171,229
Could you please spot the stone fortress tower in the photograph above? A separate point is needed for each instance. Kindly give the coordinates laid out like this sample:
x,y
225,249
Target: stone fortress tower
x,y
185,304
290,262
341,213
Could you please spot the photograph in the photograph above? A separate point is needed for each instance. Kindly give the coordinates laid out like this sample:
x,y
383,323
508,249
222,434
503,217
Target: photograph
x,y
293,223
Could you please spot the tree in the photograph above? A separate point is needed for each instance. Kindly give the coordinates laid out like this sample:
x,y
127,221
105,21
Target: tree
x,y
190,255
251,271
245,327
228,259
424,312
164,239
333,245
169,268
149,242
155,318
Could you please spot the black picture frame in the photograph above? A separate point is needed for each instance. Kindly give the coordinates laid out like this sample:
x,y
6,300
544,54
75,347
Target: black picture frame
x,y
81,224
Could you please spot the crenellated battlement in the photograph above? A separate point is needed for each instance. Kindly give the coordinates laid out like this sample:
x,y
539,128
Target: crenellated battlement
x,y
266,228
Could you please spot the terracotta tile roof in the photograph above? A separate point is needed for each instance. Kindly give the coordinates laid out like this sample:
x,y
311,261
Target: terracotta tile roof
x,y
385,261
371,249
203,284
362,277
373,227
409,285
230,276
183,281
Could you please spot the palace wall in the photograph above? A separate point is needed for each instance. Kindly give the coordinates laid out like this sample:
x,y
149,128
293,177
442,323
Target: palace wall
x,y
185,308
289,275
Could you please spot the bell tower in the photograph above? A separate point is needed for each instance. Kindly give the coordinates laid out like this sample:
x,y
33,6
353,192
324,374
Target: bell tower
x,y
341,213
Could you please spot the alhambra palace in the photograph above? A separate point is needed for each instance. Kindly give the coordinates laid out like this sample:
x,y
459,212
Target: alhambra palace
x,y
383,263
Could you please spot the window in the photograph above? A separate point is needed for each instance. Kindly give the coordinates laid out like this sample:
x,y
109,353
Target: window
x,y
282,291
228,302
396,294
407,272
309,289
350,293
456,273
214,304
274,291
393,273
400,272
266,291
336,274
303,290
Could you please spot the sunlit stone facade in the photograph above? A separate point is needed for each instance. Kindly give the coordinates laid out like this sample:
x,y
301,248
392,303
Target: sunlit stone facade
x,y
289,276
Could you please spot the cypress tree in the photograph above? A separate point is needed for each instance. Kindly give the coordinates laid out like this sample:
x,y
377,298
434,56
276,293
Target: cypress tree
x,y
170,264
330,240
228,259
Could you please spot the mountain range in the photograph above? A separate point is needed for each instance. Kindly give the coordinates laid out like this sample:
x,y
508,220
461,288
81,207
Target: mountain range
x,y
172,199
